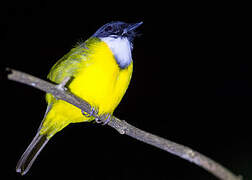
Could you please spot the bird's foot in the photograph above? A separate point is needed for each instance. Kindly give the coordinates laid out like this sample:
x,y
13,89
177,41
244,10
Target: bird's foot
x,y
105,120
94,111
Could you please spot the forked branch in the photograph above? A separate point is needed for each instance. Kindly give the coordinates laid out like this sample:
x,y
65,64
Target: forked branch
x,y
124,128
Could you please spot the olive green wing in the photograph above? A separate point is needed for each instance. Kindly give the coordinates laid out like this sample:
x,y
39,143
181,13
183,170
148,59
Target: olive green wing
x,y
68,65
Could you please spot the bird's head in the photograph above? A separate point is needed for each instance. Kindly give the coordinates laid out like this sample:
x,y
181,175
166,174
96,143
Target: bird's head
x,y
119,37
118,29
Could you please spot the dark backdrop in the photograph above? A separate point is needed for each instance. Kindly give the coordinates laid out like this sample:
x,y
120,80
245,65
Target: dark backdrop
x,y
192,84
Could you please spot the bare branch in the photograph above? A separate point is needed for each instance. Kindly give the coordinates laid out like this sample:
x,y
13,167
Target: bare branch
x,y
124,128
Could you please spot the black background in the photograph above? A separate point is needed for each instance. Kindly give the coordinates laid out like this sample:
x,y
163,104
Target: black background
x,y
192,84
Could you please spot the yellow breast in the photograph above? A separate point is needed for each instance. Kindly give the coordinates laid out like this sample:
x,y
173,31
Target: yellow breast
x,y
101,82
98,80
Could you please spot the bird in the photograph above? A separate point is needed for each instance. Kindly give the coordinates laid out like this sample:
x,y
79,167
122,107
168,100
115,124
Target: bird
x,y
99,71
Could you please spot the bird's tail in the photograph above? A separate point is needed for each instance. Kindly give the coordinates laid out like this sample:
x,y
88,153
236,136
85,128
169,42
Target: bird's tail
x,y
31,153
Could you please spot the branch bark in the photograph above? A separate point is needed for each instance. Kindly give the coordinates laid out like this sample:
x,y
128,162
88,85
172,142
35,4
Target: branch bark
x,y
124,128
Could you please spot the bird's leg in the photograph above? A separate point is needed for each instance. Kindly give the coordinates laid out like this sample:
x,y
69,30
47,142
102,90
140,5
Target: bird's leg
x,y
62,85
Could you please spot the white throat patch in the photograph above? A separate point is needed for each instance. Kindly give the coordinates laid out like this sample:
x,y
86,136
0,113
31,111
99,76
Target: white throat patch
x,y
121,48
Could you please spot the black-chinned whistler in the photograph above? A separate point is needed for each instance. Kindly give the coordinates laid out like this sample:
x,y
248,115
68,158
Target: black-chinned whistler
x,y
100,70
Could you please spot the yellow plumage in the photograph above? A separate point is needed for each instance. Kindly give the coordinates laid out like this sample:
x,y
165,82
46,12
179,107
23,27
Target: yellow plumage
x,y
96,78
100,70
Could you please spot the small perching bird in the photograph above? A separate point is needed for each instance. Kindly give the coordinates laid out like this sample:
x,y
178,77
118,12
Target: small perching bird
x,y
100,70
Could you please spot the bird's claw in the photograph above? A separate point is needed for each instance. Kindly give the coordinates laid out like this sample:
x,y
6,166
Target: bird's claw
x,y
94,111
105,120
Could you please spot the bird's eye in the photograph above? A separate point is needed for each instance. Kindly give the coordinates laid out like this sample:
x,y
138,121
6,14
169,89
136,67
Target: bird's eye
x,y
108,28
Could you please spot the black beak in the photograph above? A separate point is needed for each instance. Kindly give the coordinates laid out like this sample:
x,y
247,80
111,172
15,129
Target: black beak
x,y
129,31
132,27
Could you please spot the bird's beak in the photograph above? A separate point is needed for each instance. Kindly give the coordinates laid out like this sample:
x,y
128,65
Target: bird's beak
x,y
132,27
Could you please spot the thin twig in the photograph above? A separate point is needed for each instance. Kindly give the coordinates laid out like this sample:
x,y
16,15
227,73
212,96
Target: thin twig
x,y
124,128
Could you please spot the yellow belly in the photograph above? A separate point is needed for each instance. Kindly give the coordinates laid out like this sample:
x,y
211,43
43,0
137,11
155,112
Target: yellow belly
x,y
99,81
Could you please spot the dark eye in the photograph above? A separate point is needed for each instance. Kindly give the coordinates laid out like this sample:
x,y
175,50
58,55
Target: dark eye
x,y
108,28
